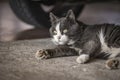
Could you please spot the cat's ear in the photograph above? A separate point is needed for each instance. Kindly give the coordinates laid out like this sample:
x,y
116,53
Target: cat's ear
x,y
52,17
70,15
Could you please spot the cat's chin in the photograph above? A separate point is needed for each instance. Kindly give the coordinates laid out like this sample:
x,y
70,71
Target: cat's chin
x,y
61,43
58,43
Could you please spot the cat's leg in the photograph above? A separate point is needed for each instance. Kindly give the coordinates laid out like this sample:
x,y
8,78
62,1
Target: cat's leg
x,y
112,63
42,54
56,52
89,48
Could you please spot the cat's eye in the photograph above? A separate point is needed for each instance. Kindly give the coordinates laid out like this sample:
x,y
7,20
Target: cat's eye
x,y
55,32
65,31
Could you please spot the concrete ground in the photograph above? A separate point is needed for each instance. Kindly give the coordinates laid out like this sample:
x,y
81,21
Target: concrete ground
x,y
18,62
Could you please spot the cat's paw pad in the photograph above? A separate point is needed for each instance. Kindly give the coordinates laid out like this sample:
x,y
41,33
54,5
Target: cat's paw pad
x,y
82,58
112,64
42,54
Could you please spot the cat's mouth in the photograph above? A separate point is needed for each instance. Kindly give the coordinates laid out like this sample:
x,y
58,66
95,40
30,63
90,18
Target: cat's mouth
x,y
60,41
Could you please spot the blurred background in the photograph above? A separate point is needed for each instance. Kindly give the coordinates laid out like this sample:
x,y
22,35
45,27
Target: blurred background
x,y
29,19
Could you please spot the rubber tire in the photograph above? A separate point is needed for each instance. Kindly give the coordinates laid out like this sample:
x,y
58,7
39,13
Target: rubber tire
x,y
30,12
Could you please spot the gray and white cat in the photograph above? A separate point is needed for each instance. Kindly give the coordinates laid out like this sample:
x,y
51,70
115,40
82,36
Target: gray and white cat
x,y
86,41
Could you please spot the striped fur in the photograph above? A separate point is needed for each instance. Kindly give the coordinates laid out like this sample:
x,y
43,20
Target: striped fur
x,y
89,41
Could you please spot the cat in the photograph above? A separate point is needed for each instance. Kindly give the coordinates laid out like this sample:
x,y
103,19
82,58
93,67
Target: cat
x,y
76,38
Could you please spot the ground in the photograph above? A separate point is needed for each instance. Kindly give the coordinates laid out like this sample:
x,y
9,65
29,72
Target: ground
x,y
18,62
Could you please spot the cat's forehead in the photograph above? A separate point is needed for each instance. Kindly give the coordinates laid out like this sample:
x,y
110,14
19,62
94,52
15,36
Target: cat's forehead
x,y
63,22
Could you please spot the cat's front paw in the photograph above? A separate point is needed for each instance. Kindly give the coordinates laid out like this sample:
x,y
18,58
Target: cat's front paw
x,y
42,54
112,64
83,58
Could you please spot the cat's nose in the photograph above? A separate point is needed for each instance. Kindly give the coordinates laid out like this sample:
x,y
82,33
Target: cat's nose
x,y
59,37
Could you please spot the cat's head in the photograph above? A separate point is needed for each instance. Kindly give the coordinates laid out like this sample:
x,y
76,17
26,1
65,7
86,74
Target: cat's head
x,y
64,29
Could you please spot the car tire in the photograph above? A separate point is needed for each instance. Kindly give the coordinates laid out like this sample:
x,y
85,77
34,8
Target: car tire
x,y
30,12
